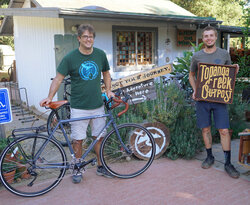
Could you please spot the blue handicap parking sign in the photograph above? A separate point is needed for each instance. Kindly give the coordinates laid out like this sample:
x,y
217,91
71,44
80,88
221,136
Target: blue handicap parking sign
x,y
5,106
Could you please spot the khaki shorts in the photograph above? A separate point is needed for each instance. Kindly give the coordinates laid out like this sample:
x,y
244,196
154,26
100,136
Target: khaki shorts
x,y
79,128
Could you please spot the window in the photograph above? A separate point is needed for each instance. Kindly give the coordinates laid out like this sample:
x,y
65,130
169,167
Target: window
x,y
134,49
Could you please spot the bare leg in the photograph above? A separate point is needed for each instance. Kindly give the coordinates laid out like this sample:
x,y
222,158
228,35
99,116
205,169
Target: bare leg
x,y
207,137
226,146
225,139
77,147
97,150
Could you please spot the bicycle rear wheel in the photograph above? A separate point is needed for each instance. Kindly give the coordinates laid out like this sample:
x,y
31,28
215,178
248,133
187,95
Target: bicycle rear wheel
x,y
62,113
32,177
118,161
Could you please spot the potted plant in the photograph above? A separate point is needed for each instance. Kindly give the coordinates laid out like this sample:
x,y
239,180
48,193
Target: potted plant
x,y
9,170
22,169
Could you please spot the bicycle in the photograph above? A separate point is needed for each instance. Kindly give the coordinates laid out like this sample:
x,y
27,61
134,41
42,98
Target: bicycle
x,y
45,158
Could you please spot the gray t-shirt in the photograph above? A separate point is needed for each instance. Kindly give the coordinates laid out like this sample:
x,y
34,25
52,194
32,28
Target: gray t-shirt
x,y
220,56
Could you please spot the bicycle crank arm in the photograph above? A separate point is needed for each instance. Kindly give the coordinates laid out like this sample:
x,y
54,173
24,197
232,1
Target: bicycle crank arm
x,y
80,165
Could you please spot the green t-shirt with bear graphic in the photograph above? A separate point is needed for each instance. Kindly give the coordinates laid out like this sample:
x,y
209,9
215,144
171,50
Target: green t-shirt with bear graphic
x,y
85,74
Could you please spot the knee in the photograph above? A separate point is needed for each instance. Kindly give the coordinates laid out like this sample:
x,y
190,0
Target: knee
x,y
224,132
206,130
77,142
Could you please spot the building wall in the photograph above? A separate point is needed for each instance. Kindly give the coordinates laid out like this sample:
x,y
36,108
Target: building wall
x,y
167,52
35,55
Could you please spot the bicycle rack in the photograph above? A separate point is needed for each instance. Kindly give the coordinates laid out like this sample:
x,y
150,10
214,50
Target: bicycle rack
x,y
18,109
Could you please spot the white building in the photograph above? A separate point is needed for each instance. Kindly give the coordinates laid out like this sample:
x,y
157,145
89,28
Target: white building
x,y
136,35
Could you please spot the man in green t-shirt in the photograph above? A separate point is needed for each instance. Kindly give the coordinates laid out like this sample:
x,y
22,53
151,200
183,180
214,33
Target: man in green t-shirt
x,y
84,66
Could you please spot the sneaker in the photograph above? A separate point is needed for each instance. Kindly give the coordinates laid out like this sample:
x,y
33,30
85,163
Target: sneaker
x,y
232,172
207,163
77,178
101,171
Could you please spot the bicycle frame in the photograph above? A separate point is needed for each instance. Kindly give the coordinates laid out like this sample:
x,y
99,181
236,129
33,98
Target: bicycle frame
x,y
60,124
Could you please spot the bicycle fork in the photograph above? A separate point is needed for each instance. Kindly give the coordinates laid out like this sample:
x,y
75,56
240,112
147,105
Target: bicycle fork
x,y
127,149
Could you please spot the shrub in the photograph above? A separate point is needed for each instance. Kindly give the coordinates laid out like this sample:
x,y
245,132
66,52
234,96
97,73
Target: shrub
x,y
171,109
237,114
3,143
179,116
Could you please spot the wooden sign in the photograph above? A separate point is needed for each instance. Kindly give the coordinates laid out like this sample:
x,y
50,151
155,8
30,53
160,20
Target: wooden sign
x,y
184,37
215,83
139,77
161,136
141,91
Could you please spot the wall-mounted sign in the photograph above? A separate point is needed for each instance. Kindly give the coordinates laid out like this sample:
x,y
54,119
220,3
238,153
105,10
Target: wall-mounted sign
x,y
5,106
215,83
184,37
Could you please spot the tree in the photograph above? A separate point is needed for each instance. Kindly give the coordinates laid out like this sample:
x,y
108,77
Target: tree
x,y
228,11
4,2
5,40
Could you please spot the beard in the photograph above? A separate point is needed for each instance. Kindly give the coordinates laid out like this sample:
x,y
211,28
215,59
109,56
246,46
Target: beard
x,y
210,46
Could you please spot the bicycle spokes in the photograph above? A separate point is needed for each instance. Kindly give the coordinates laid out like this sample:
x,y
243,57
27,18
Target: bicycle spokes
x,y
40,165
131,153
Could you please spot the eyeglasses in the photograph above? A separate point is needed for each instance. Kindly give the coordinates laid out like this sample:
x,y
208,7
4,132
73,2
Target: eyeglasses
x,y
87,37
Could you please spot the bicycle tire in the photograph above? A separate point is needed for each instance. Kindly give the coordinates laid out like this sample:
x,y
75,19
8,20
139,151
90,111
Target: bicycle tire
x,y
62,113
122,164
42,175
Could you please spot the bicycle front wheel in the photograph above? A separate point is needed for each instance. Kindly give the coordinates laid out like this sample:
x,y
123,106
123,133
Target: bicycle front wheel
x,y
39,165
62,113
136,159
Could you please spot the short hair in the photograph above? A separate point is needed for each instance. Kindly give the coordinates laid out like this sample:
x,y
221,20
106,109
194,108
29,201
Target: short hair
x,y
85,27
209,28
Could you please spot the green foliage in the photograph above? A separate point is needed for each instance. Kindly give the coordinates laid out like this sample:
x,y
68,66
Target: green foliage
x,y
243,58
4,2
3,143
9,166
171,109
7,40
244,64
237,113
169,102
246,24
244,61
237,119
184,63
229,11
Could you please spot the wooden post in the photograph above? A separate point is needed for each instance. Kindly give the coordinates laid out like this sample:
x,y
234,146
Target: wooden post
x,y
2,131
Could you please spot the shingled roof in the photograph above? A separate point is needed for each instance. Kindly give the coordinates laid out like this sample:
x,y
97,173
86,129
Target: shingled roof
x,y
156,10
158,7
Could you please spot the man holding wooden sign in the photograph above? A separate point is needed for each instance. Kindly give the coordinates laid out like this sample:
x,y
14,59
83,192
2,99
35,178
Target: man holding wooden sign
x,y
213,90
